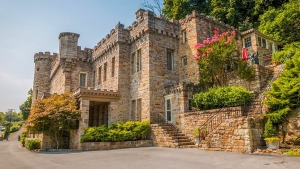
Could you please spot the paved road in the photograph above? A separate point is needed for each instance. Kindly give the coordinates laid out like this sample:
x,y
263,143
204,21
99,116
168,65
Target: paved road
x,y
12,156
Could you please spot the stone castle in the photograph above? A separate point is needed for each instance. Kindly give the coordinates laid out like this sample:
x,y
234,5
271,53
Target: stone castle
x,y
136,72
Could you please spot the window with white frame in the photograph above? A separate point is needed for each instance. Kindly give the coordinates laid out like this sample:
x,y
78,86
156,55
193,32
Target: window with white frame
x,y
168,109
247,42
136,61
170,60
262,42
82,79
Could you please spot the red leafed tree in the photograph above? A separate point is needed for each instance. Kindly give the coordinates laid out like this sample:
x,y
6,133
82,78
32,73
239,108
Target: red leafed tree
x,y
53,116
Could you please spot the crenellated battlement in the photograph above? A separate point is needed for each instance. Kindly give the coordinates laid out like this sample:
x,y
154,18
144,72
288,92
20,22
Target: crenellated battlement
x,y
85,54
202,16
68,34
43,56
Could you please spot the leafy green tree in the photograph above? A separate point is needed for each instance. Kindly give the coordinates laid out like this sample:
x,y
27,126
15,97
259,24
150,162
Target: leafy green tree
x,y
25,107
54,116
282,24
287,51
284,95
2,118
178,9
217,56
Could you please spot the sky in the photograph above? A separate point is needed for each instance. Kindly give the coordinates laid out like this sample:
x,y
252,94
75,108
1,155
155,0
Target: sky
x,y
31,26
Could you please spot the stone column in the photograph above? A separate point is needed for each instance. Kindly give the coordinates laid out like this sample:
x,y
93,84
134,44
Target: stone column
x,y
84,121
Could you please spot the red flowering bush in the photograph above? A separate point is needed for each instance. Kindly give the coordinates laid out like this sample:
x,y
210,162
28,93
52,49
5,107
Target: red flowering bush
x,y
218,55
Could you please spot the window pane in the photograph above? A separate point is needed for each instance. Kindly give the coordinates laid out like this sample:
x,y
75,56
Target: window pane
x,y
169,115
82,79
169,60
168,104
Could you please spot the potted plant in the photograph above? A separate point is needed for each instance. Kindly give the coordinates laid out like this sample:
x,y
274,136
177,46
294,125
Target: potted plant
x,y
199,134
272,141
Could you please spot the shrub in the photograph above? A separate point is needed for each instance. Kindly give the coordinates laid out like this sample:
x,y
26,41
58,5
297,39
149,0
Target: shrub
x,y
32,143
221,96
128,131
293,152
15,127
23,136
270,130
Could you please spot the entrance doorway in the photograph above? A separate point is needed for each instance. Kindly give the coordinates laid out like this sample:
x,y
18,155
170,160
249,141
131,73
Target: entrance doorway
x,y
98,114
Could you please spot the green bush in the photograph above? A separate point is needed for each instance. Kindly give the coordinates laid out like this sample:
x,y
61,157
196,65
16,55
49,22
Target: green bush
x,y
128,131
32,143
15,127
221,96
23,136
293,152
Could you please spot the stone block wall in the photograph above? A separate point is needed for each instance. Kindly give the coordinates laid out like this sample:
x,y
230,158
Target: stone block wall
x,y
115,145
236,134
41,83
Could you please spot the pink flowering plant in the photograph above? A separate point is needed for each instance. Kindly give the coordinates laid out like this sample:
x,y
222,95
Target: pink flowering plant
x,y
217,56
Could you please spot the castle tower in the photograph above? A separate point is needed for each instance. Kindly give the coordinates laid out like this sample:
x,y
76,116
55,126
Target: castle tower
x,y
41,83
68,43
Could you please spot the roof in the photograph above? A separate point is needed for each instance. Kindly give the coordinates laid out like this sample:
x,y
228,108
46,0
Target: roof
x,y
96,94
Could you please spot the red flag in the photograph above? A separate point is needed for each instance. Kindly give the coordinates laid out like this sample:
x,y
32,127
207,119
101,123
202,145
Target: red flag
x,y
244,54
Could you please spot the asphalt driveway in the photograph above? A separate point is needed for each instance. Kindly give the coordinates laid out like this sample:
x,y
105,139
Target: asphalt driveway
x,y
13,156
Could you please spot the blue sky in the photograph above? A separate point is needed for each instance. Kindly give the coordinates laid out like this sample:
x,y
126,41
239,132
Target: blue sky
x,y
31,26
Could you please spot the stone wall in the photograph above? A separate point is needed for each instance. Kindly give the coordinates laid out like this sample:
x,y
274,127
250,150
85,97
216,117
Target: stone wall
x,y
292,129
42,70
236,133
115,145
57,84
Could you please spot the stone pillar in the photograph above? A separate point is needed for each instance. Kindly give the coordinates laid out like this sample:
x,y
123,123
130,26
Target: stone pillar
x,y
84,122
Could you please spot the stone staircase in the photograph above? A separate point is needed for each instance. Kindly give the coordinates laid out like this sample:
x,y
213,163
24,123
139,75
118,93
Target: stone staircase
x,y
166,135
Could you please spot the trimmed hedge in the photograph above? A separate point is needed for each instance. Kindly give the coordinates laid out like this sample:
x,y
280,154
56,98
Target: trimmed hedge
x,y
15,127
32,143
128,131
221,96
23,137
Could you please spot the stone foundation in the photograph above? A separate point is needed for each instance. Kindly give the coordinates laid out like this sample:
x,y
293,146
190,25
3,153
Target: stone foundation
x,y
115,145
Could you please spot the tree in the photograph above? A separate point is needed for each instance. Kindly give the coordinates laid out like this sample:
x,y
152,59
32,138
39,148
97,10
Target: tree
x,y
284,95
25,107
178,9
54,116
219,55
282,24
242,14
157,6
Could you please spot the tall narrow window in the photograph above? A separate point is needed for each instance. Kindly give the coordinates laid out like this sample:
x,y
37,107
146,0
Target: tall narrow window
x,y
133,63
36,93
184,38
100,75
105,72
94,77
139,60
139,110
113,67
82,79
170,60
168,110
247,42
133,110
184,61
